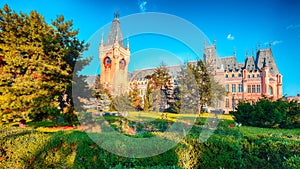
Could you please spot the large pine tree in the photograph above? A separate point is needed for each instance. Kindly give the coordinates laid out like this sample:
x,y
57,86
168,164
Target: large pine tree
x,y
160,82
37,65
194,89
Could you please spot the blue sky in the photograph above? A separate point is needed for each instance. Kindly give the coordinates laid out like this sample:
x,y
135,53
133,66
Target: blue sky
x,y
235,24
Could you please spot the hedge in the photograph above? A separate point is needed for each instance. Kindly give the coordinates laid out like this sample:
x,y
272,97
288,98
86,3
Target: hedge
x,y
228,148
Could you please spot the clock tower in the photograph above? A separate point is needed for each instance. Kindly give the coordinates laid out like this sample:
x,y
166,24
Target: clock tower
x,y
114,59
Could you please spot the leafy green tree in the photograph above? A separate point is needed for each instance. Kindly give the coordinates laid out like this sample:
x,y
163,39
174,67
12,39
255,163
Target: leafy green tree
x,y
37,65
148,98
203,80
135,97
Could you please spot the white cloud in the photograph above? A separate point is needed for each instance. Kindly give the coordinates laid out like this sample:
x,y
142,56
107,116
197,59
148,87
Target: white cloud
x,y
142,6
292,26
230,37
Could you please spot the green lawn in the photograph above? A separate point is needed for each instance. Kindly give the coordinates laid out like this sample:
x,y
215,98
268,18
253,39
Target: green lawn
x,y
283,133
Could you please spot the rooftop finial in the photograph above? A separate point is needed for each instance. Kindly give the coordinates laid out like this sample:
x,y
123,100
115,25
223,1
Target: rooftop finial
x,y
258,46
215,42
271,43
128,43
246,52
116,15
234,52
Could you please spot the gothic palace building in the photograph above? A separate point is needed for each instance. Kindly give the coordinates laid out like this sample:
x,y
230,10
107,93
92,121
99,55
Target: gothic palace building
x,y
257,77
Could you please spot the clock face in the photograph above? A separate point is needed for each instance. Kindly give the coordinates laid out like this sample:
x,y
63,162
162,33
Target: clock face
x,y
107,62
122,64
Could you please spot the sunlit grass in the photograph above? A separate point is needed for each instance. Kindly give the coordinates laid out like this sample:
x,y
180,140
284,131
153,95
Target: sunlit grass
x,y
287,133
150,116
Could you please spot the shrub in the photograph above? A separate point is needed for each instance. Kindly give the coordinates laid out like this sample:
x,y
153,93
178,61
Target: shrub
x,y
19,146
269,114
228,148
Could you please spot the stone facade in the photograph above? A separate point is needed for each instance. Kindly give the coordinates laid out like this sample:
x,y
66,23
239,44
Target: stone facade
x,y
257,77
114,59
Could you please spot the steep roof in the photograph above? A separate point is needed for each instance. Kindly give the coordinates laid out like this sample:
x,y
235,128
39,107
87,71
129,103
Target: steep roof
x,y
115,32
270,61
229,63
250,64
141,74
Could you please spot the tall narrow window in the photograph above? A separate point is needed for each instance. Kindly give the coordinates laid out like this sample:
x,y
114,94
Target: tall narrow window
x,y
258,88
253,89
233,88
249,88
240,88
227,88
271,91
227,103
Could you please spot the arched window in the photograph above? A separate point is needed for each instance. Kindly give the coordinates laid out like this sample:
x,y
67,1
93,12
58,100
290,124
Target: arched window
x,y
107,62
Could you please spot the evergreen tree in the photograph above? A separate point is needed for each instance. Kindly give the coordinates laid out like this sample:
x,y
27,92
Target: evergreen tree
x,y
104,102
160,81
148,98
37,65
135,97
194,87
122,103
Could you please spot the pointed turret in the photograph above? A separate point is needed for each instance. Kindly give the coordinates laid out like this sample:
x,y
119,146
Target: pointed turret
x,y
115,32
265,56
128,45
102,40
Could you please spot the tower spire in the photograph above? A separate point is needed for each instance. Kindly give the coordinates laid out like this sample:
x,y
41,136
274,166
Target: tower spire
x,y
115,33
128,43
116,15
